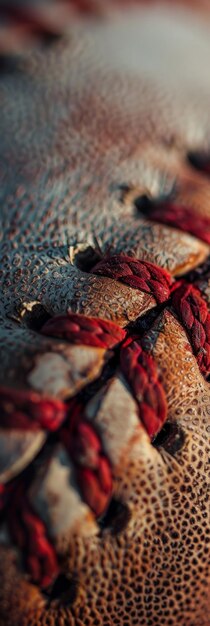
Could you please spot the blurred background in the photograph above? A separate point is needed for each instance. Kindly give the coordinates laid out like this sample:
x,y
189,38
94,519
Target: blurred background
x,y
26,23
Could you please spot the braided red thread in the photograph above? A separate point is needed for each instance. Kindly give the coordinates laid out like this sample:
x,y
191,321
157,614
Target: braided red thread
x,y
93,471
83,330
141,372
29,534
192,311
141,275
29,411
180,217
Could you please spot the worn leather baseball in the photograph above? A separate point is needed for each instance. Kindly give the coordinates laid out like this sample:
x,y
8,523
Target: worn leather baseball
x,y
105,323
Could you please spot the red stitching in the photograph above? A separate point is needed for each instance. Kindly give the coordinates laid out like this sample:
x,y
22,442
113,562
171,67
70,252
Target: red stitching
x,y
180,217
30,535
93,470
141,372
25,409
80,329
192,311
28,410
138,274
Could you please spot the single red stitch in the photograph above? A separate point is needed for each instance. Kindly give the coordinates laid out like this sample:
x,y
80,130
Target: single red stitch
x,y
83,330
93,470
180,217
29,534
192,311
141,372
28,410
96,498
138,274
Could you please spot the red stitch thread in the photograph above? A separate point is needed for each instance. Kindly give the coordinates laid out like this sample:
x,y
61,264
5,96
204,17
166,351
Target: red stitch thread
x,y
141,372
93,469
180,217
141,275
80,329
192,311
29,411
29,534
26,409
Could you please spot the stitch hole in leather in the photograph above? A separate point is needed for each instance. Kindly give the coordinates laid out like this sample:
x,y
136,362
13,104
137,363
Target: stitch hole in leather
x,y
63,592
144,323
51,38
108,372
128,195
168,211
171,437
34,315
143,203
143,199
32,24
116,518
200,272
200,161
84,256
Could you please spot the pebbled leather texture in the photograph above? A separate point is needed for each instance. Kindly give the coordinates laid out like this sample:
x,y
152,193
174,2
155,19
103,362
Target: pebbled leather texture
x,y
97,130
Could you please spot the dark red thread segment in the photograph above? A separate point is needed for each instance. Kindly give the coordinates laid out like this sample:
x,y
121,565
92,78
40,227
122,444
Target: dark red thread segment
x,y
192,311
30,535
82,330
94,477
180,217
28,410
93,470
138,274
141,372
